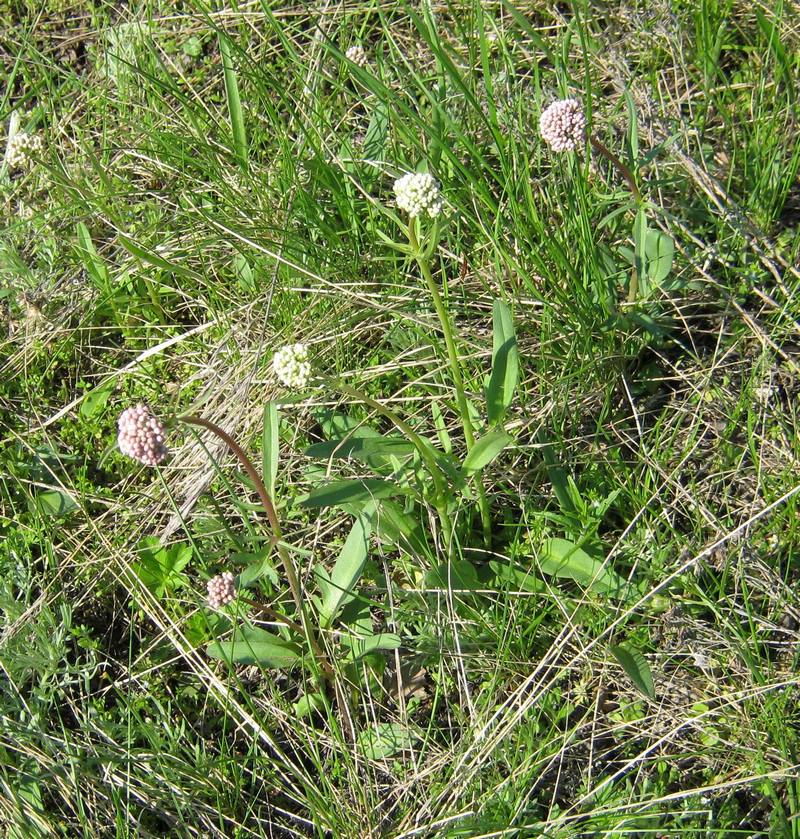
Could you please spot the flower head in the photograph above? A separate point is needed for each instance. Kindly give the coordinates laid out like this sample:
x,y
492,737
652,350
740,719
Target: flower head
x,y
221,590
141,435
417,193
357,55
21,148
563,125
292,366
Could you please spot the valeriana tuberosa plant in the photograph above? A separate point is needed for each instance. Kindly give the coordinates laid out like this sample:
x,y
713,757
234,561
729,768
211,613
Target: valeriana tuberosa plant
x,y
563,126
418,195
142,437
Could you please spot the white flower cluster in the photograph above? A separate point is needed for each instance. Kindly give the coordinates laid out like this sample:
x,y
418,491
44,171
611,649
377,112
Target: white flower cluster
x,y
21,148
417,193
357,55
563,125
292,366
141,435
221,590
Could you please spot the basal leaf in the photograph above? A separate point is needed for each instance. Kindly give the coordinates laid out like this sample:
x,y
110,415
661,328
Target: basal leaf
x,y
660,251
565,559
384,740
348,491
360,448
637,668
516,577
95,266
252,645
54,503
360,647
457,575
396,527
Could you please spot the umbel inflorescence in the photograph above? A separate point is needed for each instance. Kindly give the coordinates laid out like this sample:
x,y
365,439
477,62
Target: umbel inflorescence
x,y
22,148
142,435
418,193
292,366
221,590
563,125
357,55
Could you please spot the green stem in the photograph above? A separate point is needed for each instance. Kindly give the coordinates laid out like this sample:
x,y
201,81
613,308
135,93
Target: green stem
x,y
601,148
455,370
272,516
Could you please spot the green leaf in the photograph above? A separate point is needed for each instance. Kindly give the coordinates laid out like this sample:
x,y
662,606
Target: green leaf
x,y
384,740
396,527
349,491
360,448
95,400
152,258
55,503
516,577
457,575
244,273
337,589
234,101
257,565
270,447
252,645
639,255
505,363
192,46
377,132
565,559
309,703
359,647
485,451
660,251
633,128
95,266
637,668
441,428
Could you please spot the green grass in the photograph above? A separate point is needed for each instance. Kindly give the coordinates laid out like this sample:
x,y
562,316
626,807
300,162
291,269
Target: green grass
x,y
215,186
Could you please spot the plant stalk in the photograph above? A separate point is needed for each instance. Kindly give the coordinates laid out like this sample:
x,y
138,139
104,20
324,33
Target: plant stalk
x,y
626,173
455,370
272,516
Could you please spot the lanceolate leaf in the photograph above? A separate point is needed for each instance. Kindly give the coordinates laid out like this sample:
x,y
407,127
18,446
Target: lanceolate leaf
x,y
350,491
565,559
256,646
384,740
640,255
485,451
95,266
637,668
398,529
270,447
338,588
359,647
360,448
660,250
505,363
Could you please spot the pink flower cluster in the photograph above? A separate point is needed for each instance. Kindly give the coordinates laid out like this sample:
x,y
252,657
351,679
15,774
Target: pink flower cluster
x,y
141,435
563,125
221,590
